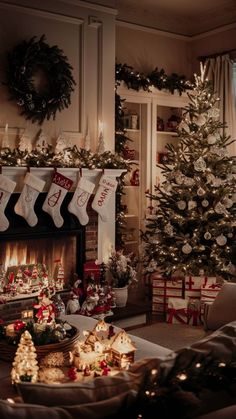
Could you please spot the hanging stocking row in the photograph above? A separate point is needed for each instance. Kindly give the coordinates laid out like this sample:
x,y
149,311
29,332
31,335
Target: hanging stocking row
x,y
59,187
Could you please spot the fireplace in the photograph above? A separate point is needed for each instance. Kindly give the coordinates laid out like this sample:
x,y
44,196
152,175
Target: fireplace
x,y
27,248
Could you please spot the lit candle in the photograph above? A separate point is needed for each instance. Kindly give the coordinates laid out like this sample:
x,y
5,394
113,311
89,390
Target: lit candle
x,y
87,138
101,144
5,139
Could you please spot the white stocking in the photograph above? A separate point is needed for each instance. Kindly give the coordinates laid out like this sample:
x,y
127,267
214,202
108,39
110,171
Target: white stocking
x,y
59,187
107,187
78,204
30,192
7,186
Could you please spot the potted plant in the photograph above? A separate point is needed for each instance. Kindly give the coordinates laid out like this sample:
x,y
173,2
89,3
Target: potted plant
x,y
121,273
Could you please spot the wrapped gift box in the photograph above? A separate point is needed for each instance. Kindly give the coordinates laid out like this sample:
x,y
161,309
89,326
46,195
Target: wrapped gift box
x,y
162,290
193,287
209,290
194,312
177,311
91,268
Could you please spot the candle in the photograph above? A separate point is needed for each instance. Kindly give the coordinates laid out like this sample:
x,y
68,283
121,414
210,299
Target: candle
x,y
87,138
5,139
101,143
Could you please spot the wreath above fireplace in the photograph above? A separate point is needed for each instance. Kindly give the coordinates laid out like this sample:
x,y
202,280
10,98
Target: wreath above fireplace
x,y
40,79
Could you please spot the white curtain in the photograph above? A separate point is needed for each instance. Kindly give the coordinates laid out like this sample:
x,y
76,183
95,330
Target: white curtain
x,y
221,71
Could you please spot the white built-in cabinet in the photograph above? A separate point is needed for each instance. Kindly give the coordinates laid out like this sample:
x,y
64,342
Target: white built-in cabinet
x,y
150,120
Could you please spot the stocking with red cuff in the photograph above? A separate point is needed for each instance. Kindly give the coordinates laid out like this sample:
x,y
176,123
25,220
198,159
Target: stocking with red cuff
x,y
59,187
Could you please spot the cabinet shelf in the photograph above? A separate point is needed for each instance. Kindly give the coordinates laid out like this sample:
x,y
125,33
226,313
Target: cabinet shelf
x,y
170,133
131,216
131,242
132,130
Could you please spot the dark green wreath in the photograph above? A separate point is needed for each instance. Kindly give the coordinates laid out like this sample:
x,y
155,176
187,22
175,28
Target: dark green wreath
x,y
24,61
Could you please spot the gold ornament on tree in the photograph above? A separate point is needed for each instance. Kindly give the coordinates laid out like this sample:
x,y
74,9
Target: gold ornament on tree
x,y
25,364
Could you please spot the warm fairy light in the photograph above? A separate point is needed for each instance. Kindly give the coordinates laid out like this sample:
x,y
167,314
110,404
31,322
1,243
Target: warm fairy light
x,y
154,371
222,364
182,376
198,365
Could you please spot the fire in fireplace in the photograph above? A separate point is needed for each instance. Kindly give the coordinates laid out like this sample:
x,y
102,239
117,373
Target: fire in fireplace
x,y
33,256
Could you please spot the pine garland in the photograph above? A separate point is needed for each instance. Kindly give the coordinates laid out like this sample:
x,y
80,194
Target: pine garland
x,y
157,78
69,157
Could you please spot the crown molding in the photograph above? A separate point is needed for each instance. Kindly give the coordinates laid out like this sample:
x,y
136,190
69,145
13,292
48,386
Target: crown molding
x,y
151,30
173,35
93,6
214,31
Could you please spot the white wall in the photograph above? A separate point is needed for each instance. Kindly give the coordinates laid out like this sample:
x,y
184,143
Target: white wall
x,y
86,34
145,50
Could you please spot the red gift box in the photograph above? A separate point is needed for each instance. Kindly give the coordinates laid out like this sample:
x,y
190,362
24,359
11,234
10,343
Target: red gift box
x,y
91,268
162,290
209,290
193,287
177,311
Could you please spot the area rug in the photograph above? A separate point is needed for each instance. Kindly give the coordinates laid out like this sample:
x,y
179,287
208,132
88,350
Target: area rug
x,y
172,336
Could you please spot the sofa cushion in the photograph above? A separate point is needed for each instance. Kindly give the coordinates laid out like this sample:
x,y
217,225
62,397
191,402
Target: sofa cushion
x,y
223,309
101,388
113,408
226,413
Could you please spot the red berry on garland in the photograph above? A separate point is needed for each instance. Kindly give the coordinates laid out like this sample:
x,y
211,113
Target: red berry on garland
x,y
18,325
105,371
72,373
103,364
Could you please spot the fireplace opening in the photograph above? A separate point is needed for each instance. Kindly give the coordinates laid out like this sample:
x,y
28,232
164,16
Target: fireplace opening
x,y
33,257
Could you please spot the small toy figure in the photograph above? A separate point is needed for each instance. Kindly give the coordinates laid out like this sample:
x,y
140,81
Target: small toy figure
x,y
45,308
73,305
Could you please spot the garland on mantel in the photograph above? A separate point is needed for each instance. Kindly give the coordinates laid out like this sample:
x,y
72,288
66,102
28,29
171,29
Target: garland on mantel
x,y
69,157
157,78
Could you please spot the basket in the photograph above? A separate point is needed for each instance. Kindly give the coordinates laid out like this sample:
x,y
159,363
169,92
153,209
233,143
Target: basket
x,y
7,351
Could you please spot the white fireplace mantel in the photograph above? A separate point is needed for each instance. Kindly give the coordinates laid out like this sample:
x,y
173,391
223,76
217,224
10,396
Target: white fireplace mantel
x,y
106,230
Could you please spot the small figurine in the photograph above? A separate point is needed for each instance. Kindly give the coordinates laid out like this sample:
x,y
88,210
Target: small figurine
x,y
134,180
45,308
73,305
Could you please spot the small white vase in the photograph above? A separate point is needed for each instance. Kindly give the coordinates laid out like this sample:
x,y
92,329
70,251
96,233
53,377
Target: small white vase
x,y
121,296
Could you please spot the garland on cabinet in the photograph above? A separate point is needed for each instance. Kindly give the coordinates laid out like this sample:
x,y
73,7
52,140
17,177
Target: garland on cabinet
x,y
157,78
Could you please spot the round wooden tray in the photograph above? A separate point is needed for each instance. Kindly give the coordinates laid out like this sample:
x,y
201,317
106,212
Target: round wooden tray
x,y
7,351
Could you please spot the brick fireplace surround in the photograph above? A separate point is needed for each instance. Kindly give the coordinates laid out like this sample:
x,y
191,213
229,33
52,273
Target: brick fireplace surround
x,y
94,240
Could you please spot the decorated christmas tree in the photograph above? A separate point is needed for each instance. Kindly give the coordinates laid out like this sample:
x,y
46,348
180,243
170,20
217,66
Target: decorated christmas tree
x,y
192,229
25,365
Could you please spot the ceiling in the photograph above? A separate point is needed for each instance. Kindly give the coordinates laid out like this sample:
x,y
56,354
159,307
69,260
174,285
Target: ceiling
x,y
183,17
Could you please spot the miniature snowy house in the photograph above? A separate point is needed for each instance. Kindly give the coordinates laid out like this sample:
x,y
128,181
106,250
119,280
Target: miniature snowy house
x,y
122,349
97,346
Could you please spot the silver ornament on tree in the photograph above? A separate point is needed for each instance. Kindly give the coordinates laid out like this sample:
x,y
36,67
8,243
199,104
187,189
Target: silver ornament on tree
x,y
214,113
188,181
200,165
207,235
228,202
205,203
211,139
220,208
200,120
221,240
181,205
187,249
168,229
201,191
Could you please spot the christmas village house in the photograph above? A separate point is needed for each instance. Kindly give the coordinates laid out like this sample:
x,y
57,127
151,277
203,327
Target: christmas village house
x,y
99,345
